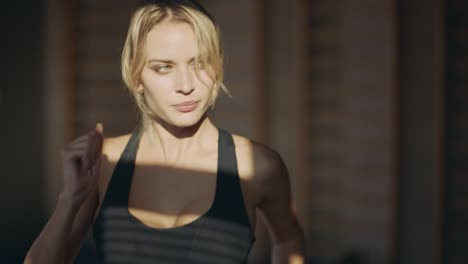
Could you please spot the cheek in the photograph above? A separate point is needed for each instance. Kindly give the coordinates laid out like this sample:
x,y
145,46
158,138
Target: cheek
x,y
206,81
156,86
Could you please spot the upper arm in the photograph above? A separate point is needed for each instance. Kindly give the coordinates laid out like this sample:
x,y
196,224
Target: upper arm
x,y
275,196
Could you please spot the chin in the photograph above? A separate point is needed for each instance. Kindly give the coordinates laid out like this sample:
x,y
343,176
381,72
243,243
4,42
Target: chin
x,y
186,119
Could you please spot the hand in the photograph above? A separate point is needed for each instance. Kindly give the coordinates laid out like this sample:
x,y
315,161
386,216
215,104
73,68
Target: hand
x,y
80,162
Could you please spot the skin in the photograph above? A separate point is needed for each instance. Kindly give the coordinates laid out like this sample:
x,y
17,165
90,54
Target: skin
x,y
179,157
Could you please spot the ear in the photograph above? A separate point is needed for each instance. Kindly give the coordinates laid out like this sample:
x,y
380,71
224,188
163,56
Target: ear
x,y
140,88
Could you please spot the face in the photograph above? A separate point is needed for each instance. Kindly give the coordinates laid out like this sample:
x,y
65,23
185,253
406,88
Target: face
x,y
171,87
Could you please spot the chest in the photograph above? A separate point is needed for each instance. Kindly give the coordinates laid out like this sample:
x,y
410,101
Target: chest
x,y
172,196
168,197
173,202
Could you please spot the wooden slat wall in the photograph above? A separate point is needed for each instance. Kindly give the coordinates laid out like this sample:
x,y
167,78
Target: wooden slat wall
x,y
351,129
100,95
57,88
239,28
456,199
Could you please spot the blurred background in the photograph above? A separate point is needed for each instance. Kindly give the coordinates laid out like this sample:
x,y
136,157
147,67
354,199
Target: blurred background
x,y
366,100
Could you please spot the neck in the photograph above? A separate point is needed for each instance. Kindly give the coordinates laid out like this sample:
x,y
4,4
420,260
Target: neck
x,y
172,144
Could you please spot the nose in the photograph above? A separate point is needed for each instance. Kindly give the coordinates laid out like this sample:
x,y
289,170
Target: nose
x,y
185,84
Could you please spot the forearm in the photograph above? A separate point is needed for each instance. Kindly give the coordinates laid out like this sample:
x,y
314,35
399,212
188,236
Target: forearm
x,y
289,252
51,244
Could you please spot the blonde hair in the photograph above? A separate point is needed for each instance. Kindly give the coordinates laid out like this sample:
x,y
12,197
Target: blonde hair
x,y
208,45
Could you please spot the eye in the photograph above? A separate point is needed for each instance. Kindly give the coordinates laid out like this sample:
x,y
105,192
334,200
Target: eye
x,y
162,68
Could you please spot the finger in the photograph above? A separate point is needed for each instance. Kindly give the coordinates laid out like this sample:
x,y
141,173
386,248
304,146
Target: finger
x,y
100,128
100,132
86,148
79,145
80,160
95,168
95,147
87,135
95,135
96,142
84,139
81,154
79,139
74,153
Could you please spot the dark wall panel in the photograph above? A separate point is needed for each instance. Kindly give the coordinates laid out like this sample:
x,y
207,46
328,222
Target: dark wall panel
x,y
21,129
418,73
351,130
456,204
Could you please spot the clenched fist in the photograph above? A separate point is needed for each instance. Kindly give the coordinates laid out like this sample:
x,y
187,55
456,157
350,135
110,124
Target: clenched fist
x,y
80,163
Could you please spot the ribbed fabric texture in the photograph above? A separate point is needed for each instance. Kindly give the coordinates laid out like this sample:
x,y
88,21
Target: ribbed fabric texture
x,y
222,235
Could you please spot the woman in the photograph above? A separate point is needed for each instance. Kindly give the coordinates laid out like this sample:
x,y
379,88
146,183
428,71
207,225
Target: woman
x,y
177,189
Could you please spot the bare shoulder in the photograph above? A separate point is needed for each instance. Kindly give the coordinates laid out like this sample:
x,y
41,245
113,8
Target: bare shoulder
x,y
257,155
260,164
112,148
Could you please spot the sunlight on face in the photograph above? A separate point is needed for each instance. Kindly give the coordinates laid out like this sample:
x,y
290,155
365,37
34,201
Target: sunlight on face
x,y
172,89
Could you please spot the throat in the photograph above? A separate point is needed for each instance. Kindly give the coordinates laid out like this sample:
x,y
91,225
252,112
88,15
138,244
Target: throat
x,y
176,141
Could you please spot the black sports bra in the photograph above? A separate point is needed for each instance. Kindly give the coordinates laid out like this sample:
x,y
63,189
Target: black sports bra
x,y
222,235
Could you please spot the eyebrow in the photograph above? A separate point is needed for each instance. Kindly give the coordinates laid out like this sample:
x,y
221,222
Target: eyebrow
x,y
167,61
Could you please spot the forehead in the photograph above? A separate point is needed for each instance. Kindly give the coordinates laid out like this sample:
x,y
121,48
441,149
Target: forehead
x,y
171,41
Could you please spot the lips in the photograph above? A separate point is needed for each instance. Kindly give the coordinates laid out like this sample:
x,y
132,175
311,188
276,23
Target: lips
x,y
187,106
